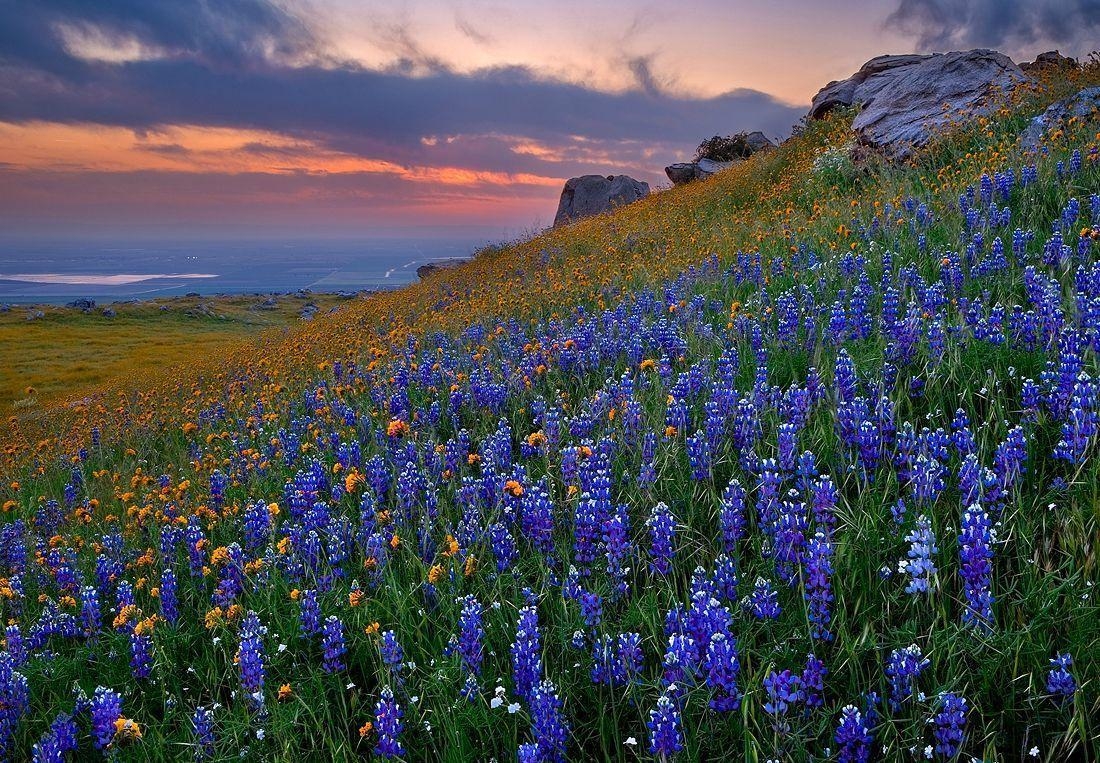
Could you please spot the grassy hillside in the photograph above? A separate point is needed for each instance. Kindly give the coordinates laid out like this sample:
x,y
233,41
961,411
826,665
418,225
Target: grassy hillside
x,y
64,353
797,462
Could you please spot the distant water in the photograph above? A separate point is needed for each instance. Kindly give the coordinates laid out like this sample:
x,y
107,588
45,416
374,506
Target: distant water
x,y
63,271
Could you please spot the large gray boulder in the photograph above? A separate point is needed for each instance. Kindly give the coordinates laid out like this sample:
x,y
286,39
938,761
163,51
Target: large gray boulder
x,y
906,99
595,194
1082,105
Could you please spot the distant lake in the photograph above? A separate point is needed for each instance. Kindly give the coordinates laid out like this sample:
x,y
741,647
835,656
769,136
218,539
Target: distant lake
x,y
105,271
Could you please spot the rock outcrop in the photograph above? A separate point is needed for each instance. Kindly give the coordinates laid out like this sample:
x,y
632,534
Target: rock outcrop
x,y
595,194
429,268
906,99
1081,105
1052,59
685,172
83,303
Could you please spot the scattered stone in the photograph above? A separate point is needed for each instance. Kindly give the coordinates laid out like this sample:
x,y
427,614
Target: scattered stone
x,y
192,294
268,304
589,195
34,315
1081,105
82,304
903,97
109,312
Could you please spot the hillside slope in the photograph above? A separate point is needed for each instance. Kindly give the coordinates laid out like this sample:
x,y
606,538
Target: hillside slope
x,y
797,462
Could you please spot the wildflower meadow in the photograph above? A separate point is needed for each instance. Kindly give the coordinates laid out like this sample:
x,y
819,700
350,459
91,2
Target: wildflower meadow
x,y
796,463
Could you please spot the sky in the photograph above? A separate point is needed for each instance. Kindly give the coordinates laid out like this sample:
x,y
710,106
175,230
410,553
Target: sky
x,y
344,118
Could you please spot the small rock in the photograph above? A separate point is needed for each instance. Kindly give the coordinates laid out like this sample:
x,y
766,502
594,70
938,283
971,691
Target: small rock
x,y
35,315
82,304
109,312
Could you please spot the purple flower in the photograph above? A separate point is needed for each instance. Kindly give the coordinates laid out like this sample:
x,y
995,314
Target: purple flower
x,y
722,667
1060,682
392,653
853,737
550,730
470,634
387,722
813,682
332,642
141,651
527,652
309,613
731,516
903,668
202,726
763,602
920,565
666,736
106,709
250,659
16,694
950,723
818,589
662,533
975,555
783,689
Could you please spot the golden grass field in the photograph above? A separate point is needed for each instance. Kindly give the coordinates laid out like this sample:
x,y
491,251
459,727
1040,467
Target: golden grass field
x,y
67,352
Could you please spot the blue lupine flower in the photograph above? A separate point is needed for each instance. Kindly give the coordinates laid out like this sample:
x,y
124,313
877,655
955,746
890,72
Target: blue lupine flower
x,y
387,723
527,653
250,659
14,689
549,728
763,602
1060,681
202,727
57,742
975,553
903,668
818,593
783,689
666,736
722,666
662,533
141,654
332,643
309,613
813,682
920,565
853,737
106,709
950,723
392,653
471,634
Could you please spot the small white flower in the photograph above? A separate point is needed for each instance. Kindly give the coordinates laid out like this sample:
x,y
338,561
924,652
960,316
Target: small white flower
x,y
260,733
1033,752
282,648
217,640
415,699
631,742
928,752
495,702
351,685
513,708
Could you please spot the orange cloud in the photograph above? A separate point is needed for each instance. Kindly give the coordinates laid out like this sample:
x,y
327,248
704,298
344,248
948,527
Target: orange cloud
x,y
193,149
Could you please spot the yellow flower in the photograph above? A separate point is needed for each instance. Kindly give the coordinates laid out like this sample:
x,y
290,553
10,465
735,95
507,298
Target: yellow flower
x,y
127,730
285,692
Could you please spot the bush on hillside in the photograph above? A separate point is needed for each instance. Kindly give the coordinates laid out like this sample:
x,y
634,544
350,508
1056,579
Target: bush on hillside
x,y
727,148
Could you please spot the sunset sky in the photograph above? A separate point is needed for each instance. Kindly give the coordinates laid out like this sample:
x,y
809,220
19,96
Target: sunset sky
x,y
351,117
